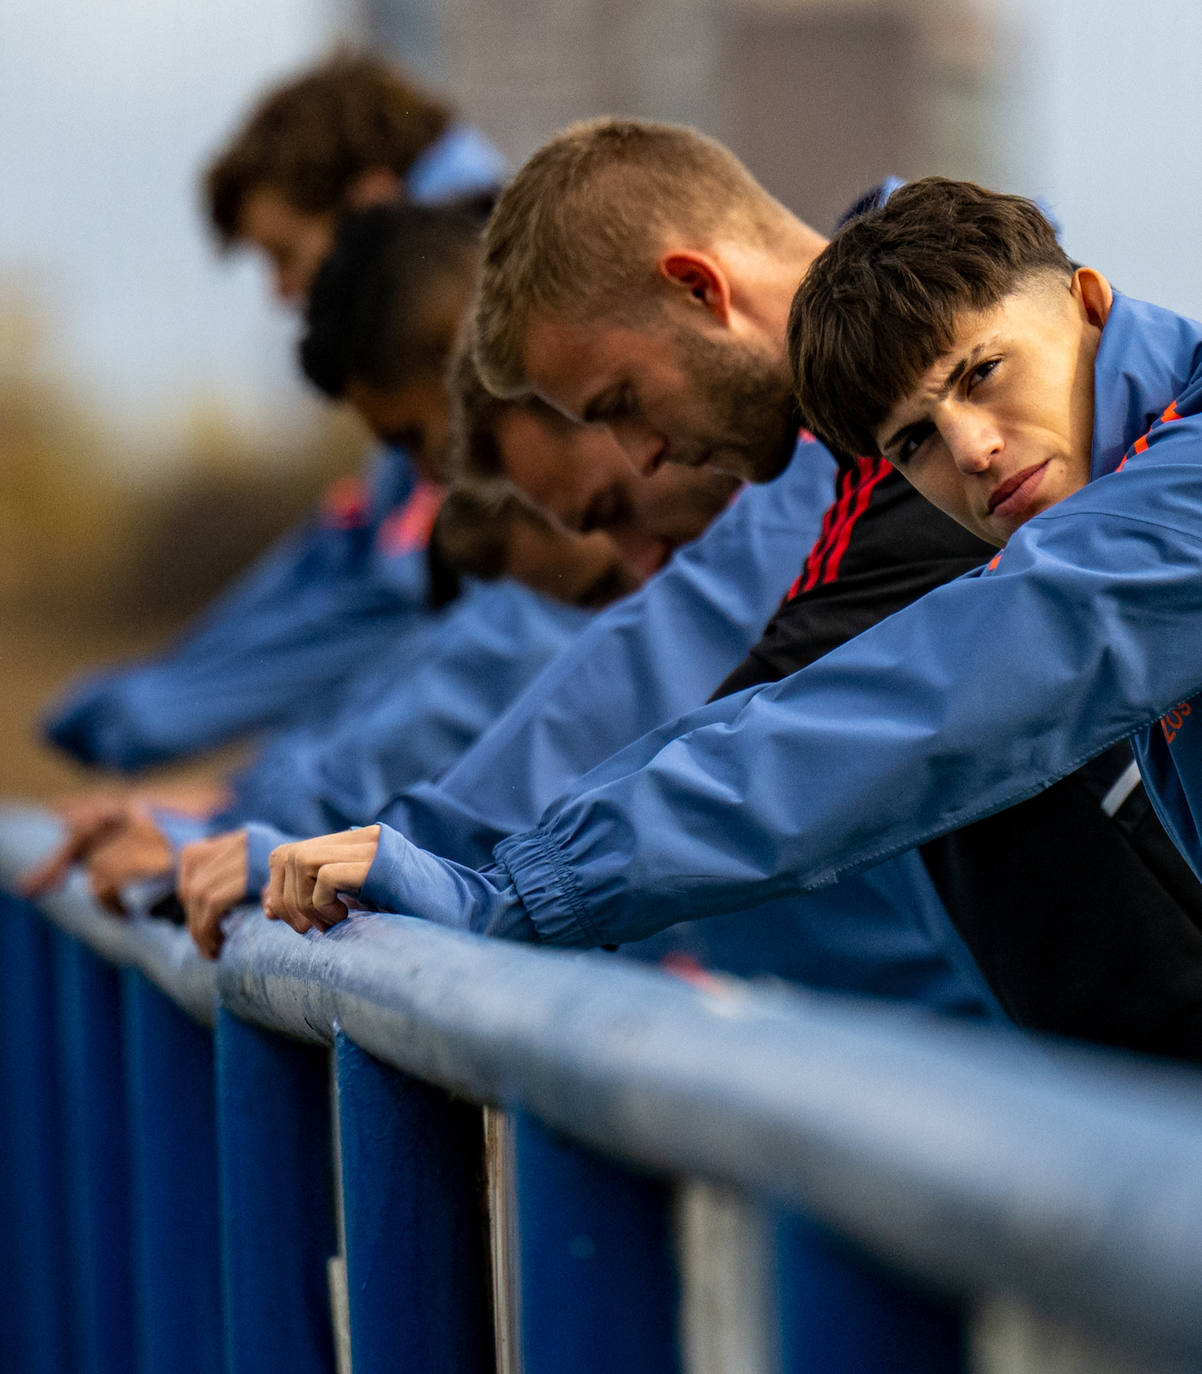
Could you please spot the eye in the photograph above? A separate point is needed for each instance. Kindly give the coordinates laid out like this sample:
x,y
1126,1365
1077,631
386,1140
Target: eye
x,y
910,443
619,406
981,372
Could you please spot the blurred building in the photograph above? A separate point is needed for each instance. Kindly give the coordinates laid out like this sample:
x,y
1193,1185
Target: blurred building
x,y
820,98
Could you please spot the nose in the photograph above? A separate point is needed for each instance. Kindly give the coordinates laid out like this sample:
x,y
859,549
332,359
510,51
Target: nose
x,y
972,437
644,449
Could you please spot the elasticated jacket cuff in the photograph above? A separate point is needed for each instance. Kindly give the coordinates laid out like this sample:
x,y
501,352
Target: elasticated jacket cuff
x,y
543,882
412,882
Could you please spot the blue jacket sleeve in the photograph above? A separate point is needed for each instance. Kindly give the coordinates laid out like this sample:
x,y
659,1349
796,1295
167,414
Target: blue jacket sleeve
x,y
651,657
261,839
466,899
882,933
276,646
425,706
978,695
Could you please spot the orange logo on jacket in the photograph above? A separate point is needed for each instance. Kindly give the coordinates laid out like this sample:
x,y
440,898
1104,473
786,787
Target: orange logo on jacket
x,y
1172,721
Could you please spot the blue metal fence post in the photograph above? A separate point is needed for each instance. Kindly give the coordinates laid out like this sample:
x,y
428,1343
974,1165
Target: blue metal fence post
x,y
599,1283
96,1156
841,1313
277,1204
37,1326
411,1161
173,1152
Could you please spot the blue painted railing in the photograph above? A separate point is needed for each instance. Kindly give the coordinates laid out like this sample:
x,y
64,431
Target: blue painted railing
x,y
280,1163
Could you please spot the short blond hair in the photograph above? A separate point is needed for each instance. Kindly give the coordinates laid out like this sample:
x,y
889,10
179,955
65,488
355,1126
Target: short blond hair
x,y
576,234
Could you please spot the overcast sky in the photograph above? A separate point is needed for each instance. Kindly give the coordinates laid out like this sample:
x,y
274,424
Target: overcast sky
x,y
107,112
1099,112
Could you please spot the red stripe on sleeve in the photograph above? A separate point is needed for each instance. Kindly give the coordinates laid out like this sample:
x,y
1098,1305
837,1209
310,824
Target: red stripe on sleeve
x,y
812,567
872,471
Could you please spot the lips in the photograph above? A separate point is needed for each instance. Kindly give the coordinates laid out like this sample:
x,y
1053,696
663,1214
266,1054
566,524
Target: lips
x,y
1015,493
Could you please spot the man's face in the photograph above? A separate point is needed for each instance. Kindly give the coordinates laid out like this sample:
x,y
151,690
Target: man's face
x,y
580,475
413,415
585,570
1000,427
670,392
294,242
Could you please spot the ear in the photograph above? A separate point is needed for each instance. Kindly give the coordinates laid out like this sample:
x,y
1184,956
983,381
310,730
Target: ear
x,y
1094,293
376,186
702,278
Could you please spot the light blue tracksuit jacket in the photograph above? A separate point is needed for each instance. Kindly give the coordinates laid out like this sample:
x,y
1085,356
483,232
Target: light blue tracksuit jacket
x,y
282,643
1084,631
659,652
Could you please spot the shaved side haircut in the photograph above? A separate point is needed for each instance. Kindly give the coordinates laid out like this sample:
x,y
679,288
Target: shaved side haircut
x,y
881,302
577,233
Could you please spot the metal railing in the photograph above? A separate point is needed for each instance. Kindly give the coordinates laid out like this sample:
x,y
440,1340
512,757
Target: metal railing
x,y
410,1149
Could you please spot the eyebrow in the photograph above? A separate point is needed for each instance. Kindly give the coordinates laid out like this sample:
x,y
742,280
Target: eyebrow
x,y
953,376
557,411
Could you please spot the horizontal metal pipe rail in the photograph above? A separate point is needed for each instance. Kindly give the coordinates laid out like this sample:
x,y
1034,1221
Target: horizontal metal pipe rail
x,y
911,1168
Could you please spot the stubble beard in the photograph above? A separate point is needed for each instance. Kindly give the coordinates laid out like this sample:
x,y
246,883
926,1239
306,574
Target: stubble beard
x,y
750,417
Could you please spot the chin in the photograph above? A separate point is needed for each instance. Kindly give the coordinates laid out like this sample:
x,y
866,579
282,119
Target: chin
x,y
743,465
766,467
1000,538
766,462
647,561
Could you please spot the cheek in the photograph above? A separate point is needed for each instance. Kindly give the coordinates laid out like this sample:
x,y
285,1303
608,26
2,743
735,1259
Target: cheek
x,y
676,514
539,480
940,484
1077,471
650,512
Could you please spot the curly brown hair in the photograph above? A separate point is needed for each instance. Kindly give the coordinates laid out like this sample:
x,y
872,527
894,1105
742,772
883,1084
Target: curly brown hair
x,y
311,137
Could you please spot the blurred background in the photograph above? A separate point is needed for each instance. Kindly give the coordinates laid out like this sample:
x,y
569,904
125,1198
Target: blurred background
x,y
153,433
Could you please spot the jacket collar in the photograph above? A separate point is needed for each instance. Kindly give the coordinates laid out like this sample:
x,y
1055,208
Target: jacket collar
x,y
1145,359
